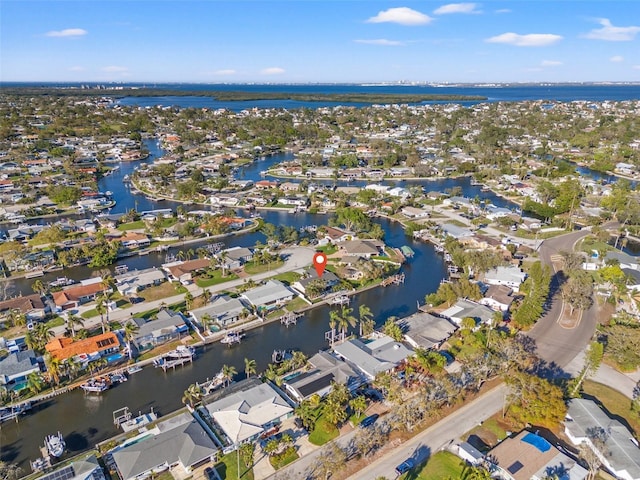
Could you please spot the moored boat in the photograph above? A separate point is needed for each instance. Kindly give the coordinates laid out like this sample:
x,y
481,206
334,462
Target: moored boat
x,y
96,385
134,369
233,337
55,444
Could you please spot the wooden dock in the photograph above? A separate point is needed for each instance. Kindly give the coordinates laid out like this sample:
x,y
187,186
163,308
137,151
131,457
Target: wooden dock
x,y
393,280
290,318
339,300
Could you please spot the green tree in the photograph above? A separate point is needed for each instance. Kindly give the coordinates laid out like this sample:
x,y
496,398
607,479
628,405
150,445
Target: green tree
x,y
365,318
130,330
192,395
249,367
392,329
35,383
228,372
534,400
592,361
358,405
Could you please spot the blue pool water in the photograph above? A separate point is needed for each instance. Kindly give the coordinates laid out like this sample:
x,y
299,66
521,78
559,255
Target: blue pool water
x,y
114,357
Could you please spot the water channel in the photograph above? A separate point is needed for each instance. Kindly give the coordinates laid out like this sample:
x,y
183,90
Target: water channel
x,y
86,420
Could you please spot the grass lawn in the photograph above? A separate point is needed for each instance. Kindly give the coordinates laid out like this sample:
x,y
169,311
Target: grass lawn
x,y
137,225
90,313
227,467
490,433
323,432
55,322
288,278
615,402
215,280
164,290
285,458
296,304
252,268
441,465
327,249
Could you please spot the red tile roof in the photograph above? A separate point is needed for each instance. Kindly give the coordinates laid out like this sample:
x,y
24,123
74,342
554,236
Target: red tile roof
x,y
63,347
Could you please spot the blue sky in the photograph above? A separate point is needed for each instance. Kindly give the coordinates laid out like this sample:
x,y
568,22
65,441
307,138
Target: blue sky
x,y
304,41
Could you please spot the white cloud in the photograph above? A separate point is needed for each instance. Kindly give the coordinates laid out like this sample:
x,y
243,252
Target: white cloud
x,y
550,63
503,10
382,41
401,15
272,71
617,59
529,40
613,34
68,33
456,8
115,69
227,71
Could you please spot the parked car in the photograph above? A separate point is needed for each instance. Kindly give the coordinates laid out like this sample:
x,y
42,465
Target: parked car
x,y
210,474
367,421
405,466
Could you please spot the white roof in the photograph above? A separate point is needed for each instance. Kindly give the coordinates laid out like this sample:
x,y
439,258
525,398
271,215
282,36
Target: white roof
x,y
270,292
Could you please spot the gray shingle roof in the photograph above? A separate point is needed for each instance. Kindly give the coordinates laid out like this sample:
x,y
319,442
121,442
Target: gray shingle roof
x,y
270,292
426,330
18,363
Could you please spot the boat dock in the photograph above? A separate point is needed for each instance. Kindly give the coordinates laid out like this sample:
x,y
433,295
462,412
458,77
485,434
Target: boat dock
x,y
122,418
393,280
211,385
339,300
175,358
290,318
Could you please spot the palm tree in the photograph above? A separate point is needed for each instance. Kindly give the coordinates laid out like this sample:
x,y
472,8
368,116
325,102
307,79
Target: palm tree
x,y
365,316
188,300
249,367
206,321
223,262
180,255
107,284
192,395
72,321
101,309
35,383
43,334
38,287
190,254
206,293
334,318
299,359
228,372
345,319
130,330
54,367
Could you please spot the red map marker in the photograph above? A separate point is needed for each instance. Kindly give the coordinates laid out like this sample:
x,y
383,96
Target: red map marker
x,y
320,262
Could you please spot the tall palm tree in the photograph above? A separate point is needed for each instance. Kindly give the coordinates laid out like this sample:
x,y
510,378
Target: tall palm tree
x,y
346,320
249,367
101,309
190,254
35,383
73,321
228,372
38,287
206,293
130,330
107,284
223,262
206,321
192,395
180,255
188,300
43,334
365,315
54,367
334,318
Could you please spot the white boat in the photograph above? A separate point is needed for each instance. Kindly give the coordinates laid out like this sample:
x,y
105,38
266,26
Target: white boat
x,y
232,338
134,369
181,351
55,444
118,377
96,385
10,413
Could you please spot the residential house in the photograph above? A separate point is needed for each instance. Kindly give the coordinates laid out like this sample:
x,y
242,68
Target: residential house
x,y
179,442
76,295
510,276
424,330
337,235
290,187
133,240
183,271
86,349
224,310
414,213
464,308
615,446
235,257
85,469
469,453
294,201
380,355
15,367
31,306
498,298
167,326
528,456
269,296
248,409
323,370
624,260
455,231
329,278
130,283
361,248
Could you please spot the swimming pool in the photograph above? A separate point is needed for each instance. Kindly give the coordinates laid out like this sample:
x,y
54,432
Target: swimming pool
x,y
114,357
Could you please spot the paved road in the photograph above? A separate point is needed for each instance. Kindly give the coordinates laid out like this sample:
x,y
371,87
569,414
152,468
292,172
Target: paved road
x,y
555,344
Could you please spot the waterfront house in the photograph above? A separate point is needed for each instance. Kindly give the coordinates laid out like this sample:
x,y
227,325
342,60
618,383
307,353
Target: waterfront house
x,y
224,310
498,298
612,442
168,325
178,442
234,257
129,283
269,296
133,240
76,295
336,235
294,201
464,308
86,469
15,367
361,248
183,271
323,369
528,456
455,231
373,357
413,212
510,276
31,306
246,410
424,330
328,280
86,349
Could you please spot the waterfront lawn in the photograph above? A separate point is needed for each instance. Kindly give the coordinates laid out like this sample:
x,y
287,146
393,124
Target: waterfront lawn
x,y
227,467
323,432
215,279
253,268
284,458
614,402
440,465
137,225
296,304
